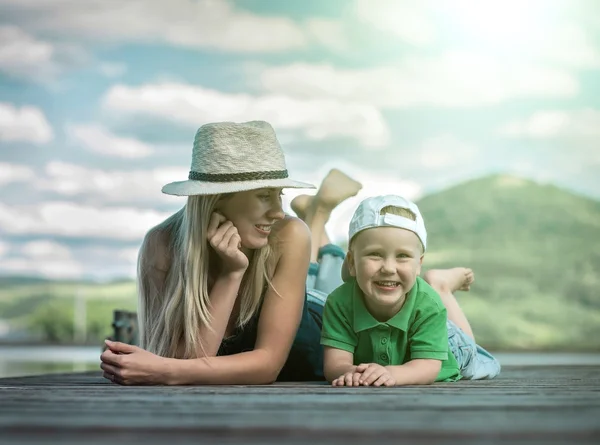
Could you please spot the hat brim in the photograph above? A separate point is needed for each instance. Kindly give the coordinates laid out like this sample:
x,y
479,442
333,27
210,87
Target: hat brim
x,y
192,187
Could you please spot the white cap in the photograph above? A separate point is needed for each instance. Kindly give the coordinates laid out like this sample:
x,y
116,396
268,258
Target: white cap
x,y
368,215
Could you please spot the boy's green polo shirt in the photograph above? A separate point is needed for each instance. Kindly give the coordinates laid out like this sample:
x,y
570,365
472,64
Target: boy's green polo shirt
x,y
418,331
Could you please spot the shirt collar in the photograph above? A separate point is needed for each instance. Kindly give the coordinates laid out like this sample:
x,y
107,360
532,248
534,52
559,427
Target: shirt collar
x,y
363,319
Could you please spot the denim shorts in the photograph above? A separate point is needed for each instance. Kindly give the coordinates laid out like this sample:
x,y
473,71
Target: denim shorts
x,y
475,362
325,275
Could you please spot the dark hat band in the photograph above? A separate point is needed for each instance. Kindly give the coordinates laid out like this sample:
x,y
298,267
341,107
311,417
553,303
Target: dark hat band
x,y
235,177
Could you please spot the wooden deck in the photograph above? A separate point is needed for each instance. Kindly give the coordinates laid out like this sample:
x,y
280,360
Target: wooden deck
x,y
545,405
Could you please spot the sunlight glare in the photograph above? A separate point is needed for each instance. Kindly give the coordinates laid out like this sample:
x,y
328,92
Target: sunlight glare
x,y
506,22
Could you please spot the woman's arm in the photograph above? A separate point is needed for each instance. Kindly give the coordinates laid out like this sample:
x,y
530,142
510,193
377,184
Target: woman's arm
x,y
279,320
154,264
222,300
223,237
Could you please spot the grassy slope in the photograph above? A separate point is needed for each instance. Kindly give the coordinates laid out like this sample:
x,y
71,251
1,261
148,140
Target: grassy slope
x,y
534,251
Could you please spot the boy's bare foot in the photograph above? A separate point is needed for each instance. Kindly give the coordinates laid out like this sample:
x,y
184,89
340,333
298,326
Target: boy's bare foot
x,y
336,188
451,280
300,205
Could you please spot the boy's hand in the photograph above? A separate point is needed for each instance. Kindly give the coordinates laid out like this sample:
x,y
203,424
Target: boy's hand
x,y
349,379
374,374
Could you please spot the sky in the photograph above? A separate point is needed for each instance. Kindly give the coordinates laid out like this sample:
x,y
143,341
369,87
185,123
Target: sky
x,y
100,101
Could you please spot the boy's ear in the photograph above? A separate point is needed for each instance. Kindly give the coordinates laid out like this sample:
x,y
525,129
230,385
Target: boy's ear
x,y
348,269
420,264
351,265
345,270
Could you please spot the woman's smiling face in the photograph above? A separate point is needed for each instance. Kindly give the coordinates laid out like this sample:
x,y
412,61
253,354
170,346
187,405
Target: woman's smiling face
x,y
253,213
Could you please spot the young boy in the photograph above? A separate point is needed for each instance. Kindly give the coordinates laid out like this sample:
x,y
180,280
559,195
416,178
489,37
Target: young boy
x,y
386,325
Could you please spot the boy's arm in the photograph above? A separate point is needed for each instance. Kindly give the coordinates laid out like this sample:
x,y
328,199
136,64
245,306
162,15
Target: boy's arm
x,y
337,336
428,347
337,362
416,372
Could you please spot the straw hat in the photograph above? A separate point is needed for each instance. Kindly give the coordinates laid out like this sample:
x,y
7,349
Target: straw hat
x,y
230,157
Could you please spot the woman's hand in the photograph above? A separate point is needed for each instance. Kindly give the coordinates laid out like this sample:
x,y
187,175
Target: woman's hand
x,y
224,238
130,365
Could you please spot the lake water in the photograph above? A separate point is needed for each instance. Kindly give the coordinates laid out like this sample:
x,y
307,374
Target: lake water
x,y
31,360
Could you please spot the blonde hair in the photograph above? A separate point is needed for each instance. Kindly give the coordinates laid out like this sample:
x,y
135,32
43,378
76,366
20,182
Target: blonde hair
x,y
398,211
169,318
406,213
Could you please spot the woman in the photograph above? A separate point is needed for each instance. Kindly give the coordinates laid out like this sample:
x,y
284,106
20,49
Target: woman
x,y
222,283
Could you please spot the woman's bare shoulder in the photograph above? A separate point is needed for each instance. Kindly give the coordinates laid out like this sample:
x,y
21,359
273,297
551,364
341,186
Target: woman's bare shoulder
x,y
156,249
291,230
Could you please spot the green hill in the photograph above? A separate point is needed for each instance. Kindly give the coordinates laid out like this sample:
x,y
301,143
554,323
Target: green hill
x,y
534,249
45,308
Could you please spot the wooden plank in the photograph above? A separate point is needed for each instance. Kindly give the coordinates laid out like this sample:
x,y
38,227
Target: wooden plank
x,y
529,404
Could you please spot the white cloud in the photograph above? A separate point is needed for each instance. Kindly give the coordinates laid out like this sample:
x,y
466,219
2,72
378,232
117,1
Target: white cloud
x,y
56,260
408,20
536,31
25,57
445,152
45,250
58,269
98,139
104,262
454,79
112,186
191,23
22,55
317,118
4,248
73,220
27,124
548,124
14,173
330,34
43,257
129,255
113,69
571,46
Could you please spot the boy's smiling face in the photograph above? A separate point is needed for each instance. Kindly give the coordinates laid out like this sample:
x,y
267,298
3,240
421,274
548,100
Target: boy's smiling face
x,y
386,262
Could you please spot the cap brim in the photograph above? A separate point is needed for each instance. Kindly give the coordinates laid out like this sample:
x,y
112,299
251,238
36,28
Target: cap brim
x,y
191,187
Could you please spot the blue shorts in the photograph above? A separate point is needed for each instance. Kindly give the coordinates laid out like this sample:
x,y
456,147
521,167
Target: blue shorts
x,y
475,362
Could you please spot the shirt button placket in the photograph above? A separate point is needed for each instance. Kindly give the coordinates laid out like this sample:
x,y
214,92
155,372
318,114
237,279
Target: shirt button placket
x,y
384,357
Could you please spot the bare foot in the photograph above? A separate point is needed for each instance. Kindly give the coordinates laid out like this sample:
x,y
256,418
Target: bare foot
x,y
336,188
457,278
469,279
300,205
